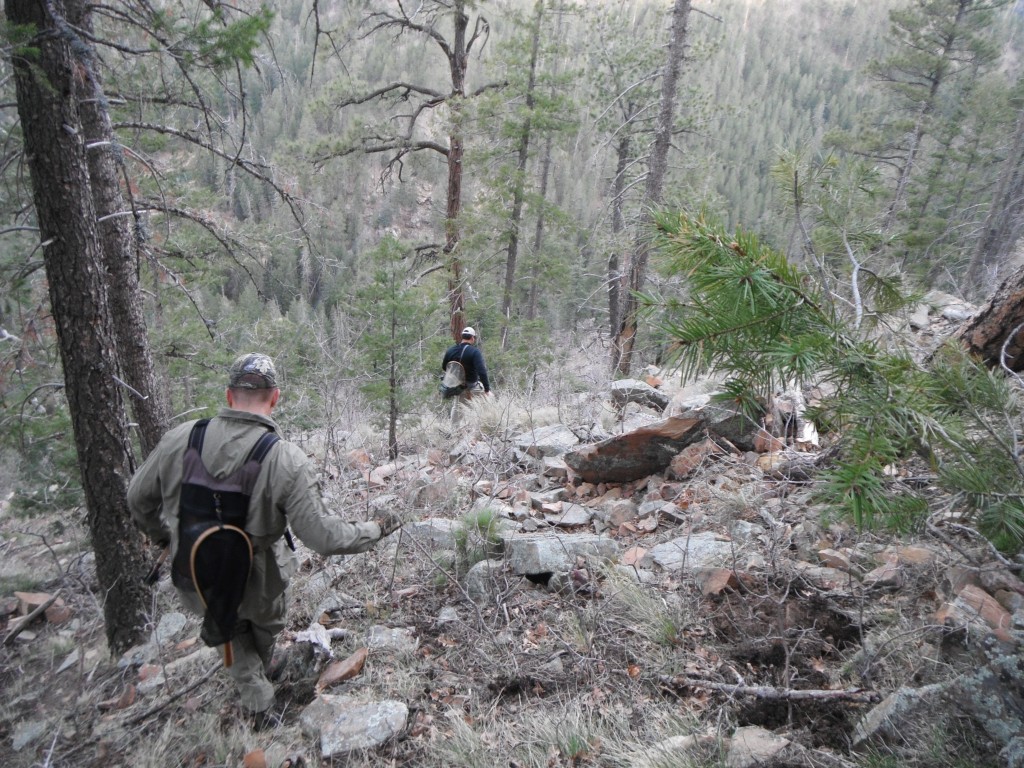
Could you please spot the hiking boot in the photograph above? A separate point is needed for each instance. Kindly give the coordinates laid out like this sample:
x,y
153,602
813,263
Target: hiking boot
x,y
266,721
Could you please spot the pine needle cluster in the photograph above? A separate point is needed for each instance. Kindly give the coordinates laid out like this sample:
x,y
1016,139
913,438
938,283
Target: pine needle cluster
x,y
768,326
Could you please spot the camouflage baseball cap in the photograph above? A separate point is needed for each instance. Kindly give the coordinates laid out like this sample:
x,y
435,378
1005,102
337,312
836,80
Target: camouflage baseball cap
x,y
252,371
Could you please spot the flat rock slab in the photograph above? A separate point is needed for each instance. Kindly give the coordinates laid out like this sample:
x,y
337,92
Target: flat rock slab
x,y
391,639
344,724
570,516
549,441
699,550
435,531
549,553
636,454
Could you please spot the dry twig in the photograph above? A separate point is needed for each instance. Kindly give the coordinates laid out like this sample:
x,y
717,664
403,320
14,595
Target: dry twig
x,y
769,692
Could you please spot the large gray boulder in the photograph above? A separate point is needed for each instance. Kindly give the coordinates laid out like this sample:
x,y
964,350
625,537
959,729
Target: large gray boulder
x,y
640,392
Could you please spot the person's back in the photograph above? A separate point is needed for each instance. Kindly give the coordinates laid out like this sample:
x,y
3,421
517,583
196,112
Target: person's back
x,y
285,494
472,360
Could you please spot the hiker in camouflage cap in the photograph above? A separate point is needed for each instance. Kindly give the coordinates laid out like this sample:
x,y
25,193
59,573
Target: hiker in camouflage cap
x,y
285,494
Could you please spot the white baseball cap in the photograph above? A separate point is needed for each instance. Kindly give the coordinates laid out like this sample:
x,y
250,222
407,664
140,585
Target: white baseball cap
x,y
468,331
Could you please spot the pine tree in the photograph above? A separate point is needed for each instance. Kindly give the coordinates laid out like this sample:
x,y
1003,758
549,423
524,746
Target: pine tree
x,y
396,317
768,325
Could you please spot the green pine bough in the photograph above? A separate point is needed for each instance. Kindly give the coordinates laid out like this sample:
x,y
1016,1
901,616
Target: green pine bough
x,y
768,325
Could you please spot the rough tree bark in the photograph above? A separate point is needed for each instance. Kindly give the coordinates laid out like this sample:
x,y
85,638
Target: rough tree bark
x,y
48,83
996,333
120,246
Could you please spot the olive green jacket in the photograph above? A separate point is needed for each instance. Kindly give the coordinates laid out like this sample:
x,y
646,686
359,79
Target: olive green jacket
x,y
286,494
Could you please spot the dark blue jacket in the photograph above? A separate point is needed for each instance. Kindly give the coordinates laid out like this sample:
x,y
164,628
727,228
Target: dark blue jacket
x,y
472,360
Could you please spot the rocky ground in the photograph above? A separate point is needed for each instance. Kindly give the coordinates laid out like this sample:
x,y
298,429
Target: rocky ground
x,y
570,589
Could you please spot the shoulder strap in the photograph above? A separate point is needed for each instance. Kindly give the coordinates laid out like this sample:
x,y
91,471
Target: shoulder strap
x,y
198,433
464,348
262,447
257,453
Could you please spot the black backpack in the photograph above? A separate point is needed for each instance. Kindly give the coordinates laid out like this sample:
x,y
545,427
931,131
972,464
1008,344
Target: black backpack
x,y
214,553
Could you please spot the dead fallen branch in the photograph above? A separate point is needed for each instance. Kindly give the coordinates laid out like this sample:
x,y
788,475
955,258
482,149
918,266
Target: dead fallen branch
x,y
769,692
21,625
173,697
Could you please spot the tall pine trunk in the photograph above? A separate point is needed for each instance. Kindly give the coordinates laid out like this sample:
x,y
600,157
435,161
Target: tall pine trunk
x,y
48,81
458,61
120,246
519,183
625,340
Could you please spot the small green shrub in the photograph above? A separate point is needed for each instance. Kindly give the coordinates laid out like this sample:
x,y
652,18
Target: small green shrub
x,y
476,539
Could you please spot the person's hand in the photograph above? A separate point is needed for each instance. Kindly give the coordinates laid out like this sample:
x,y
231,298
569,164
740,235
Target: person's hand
x,y
389,522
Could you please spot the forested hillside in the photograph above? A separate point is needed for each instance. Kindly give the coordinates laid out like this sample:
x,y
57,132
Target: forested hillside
x,y
278,194
346,185
767,195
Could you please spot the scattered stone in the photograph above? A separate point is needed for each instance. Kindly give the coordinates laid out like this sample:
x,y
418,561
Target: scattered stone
x,y
430,492
715,581
678,749
975,607
340,671
753,746
553,440
627,391
137,655
448,615
27,732
570,516
344,724
547,499
1011,601
379,476
618,511
833,558
633,556
399,639
435,531
766,442
910,556
887,719
8,606
691,458
315,635
480,584
58,613
29,601
555,468
71,660
889,576
125,700
698,550
169,626
744,531
824,578
534,554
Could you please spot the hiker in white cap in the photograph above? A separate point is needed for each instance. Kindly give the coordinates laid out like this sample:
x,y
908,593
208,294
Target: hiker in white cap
x,y
472,360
